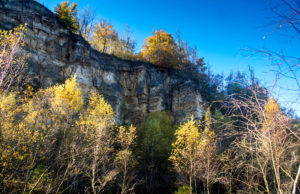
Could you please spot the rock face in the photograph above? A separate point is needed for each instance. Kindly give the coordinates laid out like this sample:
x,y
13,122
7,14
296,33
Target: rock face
x,y
133,88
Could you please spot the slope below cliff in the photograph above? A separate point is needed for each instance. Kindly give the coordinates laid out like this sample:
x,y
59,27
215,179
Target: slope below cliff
x,y
134,89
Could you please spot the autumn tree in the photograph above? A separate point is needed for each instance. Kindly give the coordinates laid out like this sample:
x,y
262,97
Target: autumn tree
x,y
105,37
51,141
277,143
68,14
53,112
194,153
209,164
10,154
125,160
40,132
66,102
40,139
186,152
21,148
265,146
286,19
160,49
96,125
12,61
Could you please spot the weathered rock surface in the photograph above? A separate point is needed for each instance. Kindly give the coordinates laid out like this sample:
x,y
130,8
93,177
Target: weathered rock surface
x,y
134,89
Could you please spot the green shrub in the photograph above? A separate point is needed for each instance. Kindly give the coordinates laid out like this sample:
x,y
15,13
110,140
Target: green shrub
x,y
155,139
184,189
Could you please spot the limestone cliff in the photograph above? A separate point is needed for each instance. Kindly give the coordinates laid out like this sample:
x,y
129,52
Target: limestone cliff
x,y
134,89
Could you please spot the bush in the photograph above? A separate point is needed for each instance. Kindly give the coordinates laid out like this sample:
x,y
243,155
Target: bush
x,y
183,190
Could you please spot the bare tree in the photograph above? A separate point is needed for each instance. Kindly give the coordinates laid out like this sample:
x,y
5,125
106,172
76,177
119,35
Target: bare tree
x,y
287,14
86,23
130,43
12,62
266,146
287,19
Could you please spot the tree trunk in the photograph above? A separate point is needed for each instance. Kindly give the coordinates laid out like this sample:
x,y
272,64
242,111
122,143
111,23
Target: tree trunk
x,y
195,183
207,177
296,181
191,190
124,178
191,174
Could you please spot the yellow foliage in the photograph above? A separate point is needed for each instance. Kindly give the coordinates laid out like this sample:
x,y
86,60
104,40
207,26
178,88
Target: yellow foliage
x,y
208,134
98,118
160,49
96,126
126,137
185,149
8,104
11,43
194,149
125,160
272,109
30,126
68,14
208,120
54,130
18,141
98,111
68,97
8,111
15,37
105,37
273,116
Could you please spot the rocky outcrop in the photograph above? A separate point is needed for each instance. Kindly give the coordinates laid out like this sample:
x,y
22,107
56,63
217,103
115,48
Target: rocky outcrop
x,y
134,89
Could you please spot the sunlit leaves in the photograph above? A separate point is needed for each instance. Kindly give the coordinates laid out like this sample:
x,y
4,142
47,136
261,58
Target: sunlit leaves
x,y
67,97
125,160
68,14
160,49
194,151
104,37
127,137
52,129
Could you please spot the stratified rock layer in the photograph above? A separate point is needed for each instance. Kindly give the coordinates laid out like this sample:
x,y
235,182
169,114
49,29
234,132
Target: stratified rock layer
x,y
134,89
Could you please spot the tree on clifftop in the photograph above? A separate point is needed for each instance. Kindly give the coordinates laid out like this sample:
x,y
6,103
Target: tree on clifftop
x,y
104,37
68,14
160,49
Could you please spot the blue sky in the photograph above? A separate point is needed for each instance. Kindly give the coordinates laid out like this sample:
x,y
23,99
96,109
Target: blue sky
x,y
220,29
